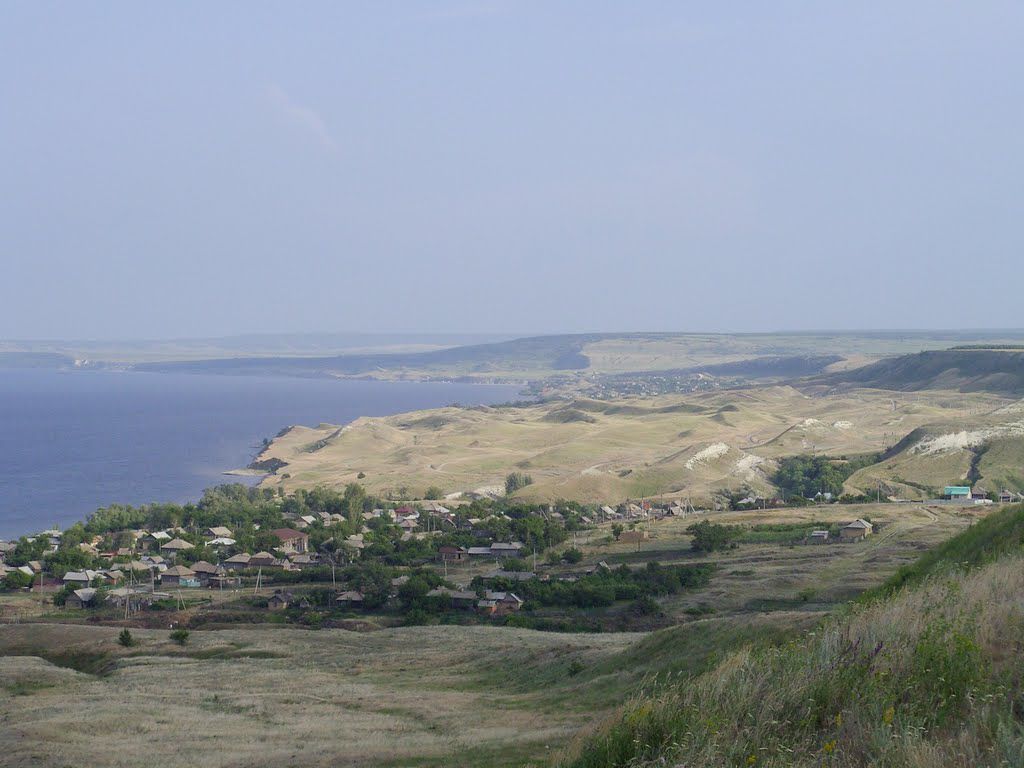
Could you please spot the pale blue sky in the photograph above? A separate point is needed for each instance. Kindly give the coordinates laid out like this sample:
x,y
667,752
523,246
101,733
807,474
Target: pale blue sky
x,y
185,169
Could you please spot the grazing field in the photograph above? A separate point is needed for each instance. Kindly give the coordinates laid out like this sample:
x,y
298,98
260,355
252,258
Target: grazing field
x,y
669,446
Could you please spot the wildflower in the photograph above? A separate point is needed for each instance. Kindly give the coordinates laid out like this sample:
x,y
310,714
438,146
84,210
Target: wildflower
x,y
839,719
751,759
889,715
830,747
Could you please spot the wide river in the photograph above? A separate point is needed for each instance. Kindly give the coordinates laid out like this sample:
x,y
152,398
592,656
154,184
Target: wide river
x,y
74,441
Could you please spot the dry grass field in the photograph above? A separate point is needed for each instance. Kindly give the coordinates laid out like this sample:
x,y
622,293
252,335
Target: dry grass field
x,y
670,446
280,697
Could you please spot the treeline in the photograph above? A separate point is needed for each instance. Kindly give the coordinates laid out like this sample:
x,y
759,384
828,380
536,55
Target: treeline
x,y
806,476
605,587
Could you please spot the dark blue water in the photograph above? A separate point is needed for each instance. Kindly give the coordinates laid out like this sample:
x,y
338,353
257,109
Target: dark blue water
x,y
74,441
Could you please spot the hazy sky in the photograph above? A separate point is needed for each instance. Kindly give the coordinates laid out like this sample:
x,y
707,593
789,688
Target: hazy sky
x,y
184,169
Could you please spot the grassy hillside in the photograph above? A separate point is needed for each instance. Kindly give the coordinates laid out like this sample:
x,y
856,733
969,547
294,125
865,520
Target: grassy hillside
x,y
963,370
979,448
928,676
604,451
991,537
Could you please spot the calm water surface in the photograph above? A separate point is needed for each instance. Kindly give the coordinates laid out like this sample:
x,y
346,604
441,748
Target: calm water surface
x,y
73,441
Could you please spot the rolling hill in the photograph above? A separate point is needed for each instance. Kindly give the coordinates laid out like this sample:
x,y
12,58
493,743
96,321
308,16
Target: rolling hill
x,y
961,370
669,446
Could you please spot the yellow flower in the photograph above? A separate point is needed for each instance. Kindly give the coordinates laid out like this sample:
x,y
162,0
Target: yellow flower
x,y
889,715
830,747
751,759
839,719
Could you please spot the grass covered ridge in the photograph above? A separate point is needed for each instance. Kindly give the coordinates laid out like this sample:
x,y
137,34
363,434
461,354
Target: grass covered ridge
x,y
999,533
927,676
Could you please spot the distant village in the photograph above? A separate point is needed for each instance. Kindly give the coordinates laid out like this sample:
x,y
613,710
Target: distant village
x,y
360,554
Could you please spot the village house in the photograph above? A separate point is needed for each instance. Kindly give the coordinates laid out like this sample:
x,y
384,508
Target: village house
x,y
291,540
221,541
499,603
279,601
452,553
350,599
81,578
957,492
179,576
506,549
171,548
1006,497
219,531
263,560
205,571
81,598
856,530
818,537
305,561
239,561
155,539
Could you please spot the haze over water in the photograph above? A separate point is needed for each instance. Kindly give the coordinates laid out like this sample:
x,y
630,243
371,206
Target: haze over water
x,y
74,441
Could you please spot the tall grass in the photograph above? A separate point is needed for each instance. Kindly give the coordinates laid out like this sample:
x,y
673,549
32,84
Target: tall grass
x,y
930,676
983,542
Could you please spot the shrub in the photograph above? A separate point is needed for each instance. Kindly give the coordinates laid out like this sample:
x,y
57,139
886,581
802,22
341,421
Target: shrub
x,y
179,636
17,580
125,638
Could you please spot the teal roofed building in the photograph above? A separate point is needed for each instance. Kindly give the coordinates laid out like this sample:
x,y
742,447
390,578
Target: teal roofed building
x,y
957,492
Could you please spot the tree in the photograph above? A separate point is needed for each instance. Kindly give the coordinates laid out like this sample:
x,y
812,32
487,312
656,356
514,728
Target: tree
x,y
516,480
617,530
413,592
125,638
572,555
352,502
17,580
709,537
433,493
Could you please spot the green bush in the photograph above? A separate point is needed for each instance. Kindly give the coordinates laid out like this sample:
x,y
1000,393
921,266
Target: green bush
x,y
17,580
179,636
125,638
